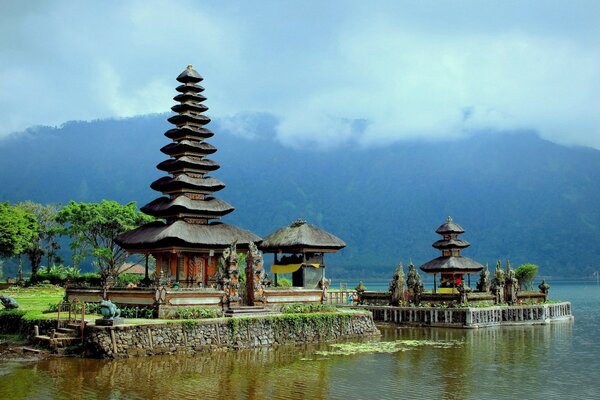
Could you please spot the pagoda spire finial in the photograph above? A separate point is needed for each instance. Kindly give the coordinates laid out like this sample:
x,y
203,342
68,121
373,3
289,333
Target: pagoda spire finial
x,y
449,219
190,66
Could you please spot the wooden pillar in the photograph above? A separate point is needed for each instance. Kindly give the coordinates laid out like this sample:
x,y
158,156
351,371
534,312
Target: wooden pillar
x,y
434,283
275,263
146,267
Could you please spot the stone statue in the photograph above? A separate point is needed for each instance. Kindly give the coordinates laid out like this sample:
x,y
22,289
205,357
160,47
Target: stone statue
x,y
256,276
109,310
511,285
228,277
544,287
397,286
463,290
483,285
9,303
360,290
498,283
414,284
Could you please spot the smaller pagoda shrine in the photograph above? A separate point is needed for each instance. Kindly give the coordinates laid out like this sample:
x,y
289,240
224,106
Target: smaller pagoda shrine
x,y
299,249
451,266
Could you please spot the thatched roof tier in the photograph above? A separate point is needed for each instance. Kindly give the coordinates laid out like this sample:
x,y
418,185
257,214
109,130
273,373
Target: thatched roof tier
x,y
188,147
180,234
459,265
188,132
190,75
449,227
188,163
182,119
301,237
451,244
209,207
189,98
191,88
189,108
183,182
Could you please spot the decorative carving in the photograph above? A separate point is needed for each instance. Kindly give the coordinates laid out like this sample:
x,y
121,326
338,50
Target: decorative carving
x,y
544,287
463,290
498,283
511,285
484,284
228,275
256,275
414,284
397,286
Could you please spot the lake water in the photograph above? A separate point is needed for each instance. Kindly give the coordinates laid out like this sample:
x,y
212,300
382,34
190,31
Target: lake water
x,y
556,361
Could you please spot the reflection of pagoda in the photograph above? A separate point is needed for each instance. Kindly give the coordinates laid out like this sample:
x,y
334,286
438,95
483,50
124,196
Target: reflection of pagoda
x,y
451,265
185,245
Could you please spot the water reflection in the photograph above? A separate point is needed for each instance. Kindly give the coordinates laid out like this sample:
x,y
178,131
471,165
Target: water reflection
x,y
495,362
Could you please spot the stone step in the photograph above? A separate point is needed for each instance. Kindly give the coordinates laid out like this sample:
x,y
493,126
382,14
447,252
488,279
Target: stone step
x,y
56,341
68,331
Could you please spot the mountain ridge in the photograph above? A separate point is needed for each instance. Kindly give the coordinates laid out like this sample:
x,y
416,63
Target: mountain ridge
x,y
519,197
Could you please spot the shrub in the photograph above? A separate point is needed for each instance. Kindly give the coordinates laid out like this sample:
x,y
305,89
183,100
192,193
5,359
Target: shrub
x,y
307,308
282,281
125,279
195,313
525,274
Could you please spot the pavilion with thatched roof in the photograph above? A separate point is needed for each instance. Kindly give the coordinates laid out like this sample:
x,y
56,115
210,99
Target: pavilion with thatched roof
x,y
304,246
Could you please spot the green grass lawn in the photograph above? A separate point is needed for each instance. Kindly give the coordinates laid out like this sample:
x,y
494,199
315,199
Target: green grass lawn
x,y
35,300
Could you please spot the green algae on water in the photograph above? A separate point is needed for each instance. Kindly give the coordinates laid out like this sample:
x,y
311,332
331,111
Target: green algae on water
x,y
345,349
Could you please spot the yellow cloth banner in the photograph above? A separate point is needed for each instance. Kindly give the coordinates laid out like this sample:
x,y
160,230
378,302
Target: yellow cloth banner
x,y
289,268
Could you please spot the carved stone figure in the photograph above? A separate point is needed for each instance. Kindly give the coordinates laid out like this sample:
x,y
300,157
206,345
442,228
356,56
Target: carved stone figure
x,y
511,285
256,275
544,287
228,277
109,310
484,284
414,284
397,286
463,290
498,283
9,303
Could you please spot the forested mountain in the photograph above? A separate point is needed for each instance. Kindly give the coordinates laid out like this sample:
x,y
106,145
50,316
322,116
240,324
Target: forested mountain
x,y
517,196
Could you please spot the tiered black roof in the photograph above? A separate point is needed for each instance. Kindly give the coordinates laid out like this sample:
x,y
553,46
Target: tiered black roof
x,y
187,205
451,246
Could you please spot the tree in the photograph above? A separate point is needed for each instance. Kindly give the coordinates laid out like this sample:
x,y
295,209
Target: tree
x,y
48,229
18,230
93,228
525,274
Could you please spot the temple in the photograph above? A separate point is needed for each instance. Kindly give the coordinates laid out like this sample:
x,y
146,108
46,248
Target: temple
x,y
189,240
304,246
451,265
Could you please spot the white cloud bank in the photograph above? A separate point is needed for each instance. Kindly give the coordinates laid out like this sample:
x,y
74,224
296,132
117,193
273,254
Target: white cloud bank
x,y
334,73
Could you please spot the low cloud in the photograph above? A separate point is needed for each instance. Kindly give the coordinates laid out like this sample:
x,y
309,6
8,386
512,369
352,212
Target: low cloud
x,y
360,74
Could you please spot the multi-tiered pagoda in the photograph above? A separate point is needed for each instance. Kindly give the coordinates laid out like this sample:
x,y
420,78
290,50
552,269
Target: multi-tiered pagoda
x,y
186,244
451,266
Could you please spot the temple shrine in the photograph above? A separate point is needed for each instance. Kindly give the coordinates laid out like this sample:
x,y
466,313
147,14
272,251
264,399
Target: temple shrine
x,y
451,265
304,246
188,240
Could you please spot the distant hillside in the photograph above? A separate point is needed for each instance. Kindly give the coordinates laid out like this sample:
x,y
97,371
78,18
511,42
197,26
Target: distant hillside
x,y
518,196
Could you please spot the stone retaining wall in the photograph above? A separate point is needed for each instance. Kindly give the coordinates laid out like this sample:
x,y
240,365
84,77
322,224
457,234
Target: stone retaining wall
x,y
188,337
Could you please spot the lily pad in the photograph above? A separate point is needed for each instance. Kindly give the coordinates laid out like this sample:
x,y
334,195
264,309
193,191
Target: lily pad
x,y
345,349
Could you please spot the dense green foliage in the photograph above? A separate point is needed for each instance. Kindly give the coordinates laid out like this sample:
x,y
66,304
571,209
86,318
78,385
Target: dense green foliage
x,y
307,308
195,313
509,191
93,228
525,274
18,230
45,242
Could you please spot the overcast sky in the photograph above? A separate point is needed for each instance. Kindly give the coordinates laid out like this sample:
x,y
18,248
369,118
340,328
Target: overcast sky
x,y
368,72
